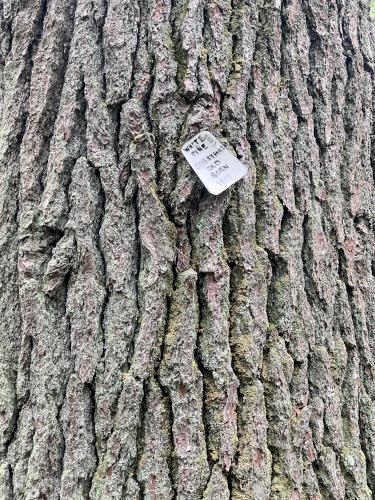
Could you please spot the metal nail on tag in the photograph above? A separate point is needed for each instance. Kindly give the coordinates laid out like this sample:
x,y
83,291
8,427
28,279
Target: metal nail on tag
x,y
214,164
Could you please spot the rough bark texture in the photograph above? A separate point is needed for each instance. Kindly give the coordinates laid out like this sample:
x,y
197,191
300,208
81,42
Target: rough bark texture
x,y
158,342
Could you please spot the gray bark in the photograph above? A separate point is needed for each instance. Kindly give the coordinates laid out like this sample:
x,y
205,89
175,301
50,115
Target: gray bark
x,y
158,342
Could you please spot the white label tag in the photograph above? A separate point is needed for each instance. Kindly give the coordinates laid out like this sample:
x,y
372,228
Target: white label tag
x,y
214,164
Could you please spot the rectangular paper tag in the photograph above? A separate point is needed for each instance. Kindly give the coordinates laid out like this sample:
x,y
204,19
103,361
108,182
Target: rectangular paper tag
x,y
214,164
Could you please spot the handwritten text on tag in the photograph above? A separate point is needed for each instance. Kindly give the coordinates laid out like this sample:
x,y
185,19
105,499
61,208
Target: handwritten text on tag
x,y
214,164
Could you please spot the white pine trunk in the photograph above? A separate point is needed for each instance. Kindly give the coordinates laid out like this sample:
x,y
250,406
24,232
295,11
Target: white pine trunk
x,y
158,342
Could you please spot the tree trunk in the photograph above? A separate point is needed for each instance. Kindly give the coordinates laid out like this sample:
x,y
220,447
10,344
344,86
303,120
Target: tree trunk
x,y
159,342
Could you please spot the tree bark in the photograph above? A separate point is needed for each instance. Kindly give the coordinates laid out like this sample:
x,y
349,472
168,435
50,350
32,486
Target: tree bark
x,y
159,342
